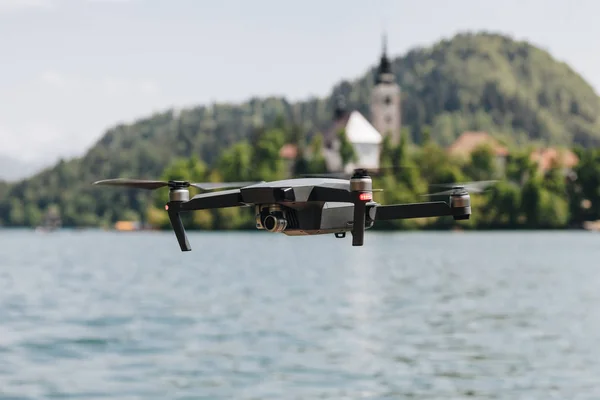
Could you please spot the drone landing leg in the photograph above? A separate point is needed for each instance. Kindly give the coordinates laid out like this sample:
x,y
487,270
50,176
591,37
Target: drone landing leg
x,y
358,228
177,224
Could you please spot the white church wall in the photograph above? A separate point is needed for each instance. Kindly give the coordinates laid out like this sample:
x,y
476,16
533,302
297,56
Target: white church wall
x,y
367,154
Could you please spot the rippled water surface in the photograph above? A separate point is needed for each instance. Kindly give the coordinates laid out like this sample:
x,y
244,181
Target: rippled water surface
x,y
90,315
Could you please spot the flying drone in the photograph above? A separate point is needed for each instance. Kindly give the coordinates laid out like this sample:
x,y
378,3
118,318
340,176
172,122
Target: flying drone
x,y
304,206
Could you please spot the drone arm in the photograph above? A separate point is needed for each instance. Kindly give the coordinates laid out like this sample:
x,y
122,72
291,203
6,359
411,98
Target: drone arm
x,y
320,193
415,210
222,199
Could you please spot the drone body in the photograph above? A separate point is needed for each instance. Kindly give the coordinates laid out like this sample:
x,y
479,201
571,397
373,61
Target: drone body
x,y
304,206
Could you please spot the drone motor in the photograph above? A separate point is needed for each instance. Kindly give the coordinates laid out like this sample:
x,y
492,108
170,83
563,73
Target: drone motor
x,y
460,203
179,194
361,183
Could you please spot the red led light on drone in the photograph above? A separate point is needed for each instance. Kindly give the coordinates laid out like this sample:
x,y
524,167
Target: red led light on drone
x,y
167,207
365,196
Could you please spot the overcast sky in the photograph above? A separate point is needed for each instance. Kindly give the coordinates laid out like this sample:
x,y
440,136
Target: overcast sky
x,y
70,69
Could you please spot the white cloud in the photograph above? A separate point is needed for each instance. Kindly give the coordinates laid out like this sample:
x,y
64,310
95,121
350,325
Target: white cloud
x,y
33,141
113,86
52,78
20,4
13,5
149,87
117,86
110,86
72,112
112,1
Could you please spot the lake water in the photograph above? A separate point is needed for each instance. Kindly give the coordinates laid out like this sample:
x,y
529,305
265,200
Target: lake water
x,y
106,315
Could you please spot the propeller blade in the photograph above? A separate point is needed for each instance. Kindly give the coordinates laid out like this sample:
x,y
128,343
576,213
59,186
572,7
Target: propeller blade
x,y
475,186
439,193
334,175
472,187
221,185
133,183
151,184
368,171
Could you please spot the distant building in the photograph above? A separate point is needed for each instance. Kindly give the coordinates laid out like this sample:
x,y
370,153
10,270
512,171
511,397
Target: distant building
x,y
386,107
363,137
547,158
468,142
126,226
288,153
366,137
51,220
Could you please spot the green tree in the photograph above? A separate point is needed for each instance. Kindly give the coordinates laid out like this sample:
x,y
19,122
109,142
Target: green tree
x,y
266,163
386,155
235,163
503,207
347,152
483,164
316,162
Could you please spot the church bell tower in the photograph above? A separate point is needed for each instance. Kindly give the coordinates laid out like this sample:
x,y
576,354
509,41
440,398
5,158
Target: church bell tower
x,y
386,108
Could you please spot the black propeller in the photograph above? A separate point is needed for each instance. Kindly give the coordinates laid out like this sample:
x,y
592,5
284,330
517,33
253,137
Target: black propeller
x,y
152,185
374,172
472,187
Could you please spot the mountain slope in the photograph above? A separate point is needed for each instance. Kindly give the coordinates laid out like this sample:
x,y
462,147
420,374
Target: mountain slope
x,y
472,81
506,84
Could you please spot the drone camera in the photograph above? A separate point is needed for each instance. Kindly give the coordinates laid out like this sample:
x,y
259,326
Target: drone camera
x,y
273,223
271,218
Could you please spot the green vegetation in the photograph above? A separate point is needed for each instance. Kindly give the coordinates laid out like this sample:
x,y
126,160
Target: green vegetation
x,y
489,82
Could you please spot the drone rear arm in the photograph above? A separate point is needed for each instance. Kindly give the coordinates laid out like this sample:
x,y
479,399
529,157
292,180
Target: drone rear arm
x,y
415,210
222,199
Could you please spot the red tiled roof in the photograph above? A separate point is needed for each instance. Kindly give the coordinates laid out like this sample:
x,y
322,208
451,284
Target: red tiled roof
x,y
288,151
469,141
547,157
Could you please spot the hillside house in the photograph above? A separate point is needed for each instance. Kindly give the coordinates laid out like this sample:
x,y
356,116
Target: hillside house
x,y
468,142
546,158
288,153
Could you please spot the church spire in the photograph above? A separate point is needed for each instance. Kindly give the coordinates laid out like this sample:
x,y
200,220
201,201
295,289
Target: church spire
x,y
340,107
385,66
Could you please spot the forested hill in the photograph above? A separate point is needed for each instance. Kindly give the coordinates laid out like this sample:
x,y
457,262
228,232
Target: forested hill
x,y
471,81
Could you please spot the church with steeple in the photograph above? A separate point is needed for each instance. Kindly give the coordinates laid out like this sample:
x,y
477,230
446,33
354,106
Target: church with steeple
x,y
386,107
366,134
